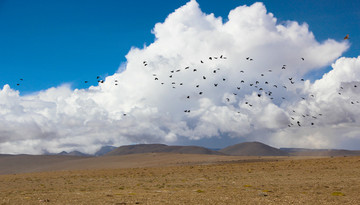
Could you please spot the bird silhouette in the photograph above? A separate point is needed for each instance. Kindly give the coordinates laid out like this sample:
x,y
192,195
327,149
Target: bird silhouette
x,y
346,37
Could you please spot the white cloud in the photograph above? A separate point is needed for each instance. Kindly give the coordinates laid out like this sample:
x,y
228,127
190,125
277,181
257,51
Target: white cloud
x,y
140,109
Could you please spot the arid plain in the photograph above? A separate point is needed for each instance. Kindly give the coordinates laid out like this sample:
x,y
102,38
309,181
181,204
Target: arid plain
x,y
163,178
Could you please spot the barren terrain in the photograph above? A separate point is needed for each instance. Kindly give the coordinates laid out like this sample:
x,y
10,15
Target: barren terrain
x,y
185,179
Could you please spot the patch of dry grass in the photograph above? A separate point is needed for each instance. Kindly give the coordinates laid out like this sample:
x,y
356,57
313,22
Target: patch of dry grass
x,y
290,181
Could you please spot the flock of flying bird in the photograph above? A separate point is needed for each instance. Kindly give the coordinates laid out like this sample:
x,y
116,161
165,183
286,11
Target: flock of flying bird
x,y
260,87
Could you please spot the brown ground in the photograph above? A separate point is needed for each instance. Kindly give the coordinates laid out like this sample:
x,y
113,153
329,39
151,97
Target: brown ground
x,y
190,179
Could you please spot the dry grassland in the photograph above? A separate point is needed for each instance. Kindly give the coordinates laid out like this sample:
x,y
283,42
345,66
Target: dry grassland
x,y
277,181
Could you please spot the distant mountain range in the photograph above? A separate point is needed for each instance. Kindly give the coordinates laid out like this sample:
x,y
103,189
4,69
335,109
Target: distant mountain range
x,y
253,149
160,148
241,149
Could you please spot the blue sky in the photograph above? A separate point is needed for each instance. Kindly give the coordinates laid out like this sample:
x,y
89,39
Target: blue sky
x,y
48,42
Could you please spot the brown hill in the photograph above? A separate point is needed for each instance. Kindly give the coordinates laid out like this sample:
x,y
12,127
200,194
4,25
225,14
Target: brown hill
x,y
160,148
252,149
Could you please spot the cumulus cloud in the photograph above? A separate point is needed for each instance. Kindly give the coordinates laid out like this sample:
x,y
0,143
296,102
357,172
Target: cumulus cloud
x,y
256,65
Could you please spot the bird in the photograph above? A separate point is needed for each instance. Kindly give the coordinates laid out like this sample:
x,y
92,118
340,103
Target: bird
x,y
188,97
197,86
200,93
302,59
201,61
204,77
346,37
224,79
186,67
215,84
85,81
21,79
210,58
